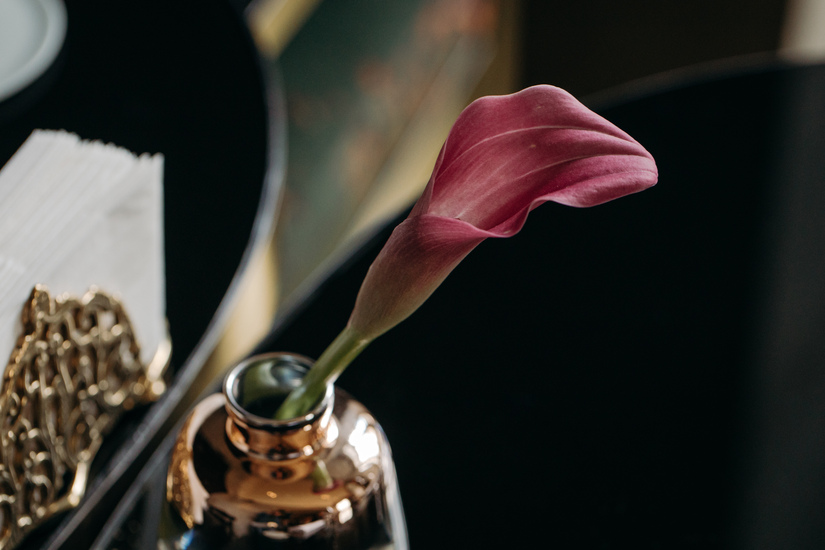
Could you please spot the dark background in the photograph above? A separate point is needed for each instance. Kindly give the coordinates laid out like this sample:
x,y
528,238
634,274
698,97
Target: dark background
x,y
590,45
643,374
647,373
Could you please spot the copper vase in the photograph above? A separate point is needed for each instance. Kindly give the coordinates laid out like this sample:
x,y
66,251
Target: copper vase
x,y
240,480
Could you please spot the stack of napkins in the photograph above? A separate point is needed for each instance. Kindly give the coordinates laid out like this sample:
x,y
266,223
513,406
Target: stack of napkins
x,y
76,214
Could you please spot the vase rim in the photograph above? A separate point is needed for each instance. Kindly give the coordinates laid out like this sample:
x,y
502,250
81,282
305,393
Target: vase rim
x,y
296,362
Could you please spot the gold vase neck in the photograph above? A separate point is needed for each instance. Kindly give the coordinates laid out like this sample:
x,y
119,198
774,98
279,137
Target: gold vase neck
x,y
254,389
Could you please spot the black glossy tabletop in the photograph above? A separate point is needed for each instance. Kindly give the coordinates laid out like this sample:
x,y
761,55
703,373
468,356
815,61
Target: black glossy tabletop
x,y
645,374
181,78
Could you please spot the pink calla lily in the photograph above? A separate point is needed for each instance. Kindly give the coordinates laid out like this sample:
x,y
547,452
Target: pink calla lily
x,y
504,156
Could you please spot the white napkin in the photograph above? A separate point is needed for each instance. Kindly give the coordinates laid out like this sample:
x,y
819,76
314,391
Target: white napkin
x,y
77,213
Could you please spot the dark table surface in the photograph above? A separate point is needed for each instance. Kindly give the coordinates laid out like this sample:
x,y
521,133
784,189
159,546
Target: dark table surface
x,y
180,78
645,374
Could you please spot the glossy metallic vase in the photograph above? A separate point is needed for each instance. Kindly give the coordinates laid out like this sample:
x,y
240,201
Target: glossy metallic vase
x,y
240,480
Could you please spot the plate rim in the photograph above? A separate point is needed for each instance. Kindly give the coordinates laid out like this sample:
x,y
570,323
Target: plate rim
x,y
50,44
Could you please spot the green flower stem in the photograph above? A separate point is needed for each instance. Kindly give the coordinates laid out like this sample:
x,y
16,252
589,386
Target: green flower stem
x,y
324,372
321,478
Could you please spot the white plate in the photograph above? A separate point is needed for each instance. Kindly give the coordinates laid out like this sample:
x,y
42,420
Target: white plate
x,y
31,34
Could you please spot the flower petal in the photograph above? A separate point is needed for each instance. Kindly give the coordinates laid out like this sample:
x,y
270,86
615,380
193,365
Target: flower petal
x,y
507,154
504,156
417,257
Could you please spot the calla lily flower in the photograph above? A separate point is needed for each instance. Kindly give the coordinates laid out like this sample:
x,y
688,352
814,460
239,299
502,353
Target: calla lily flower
x,y
504,156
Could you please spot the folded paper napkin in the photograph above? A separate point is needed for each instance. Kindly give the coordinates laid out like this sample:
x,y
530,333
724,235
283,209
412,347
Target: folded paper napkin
x,y
76,214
